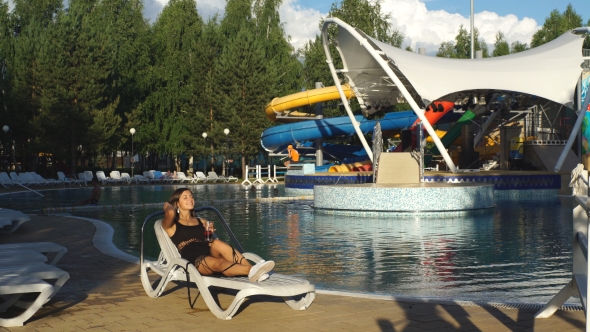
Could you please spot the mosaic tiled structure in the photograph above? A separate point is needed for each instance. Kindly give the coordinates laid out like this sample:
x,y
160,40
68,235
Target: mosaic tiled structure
x,y
537,184
503,182
413,198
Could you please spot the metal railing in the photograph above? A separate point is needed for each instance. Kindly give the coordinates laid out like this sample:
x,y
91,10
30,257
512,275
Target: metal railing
x,y
586,52
578,285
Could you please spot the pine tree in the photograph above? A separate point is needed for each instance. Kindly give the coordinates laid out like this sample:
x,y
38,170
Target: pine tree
x,y
173,80
5,49
279,54
73,68
242,65
123,21
29,23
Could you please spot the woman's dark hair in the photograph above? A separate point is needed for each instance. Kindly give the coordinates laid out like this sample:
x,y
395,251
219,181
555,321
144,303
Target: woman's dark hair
x,y
173,200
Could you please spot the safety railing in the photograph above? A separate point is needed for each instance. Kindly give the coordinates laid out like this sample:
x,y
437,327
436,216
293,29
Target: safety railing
x,y
258,173
578,285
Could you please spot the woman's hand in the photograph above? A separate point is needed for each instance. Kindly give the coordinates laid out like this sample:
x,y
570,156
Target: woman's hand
x,y
209,226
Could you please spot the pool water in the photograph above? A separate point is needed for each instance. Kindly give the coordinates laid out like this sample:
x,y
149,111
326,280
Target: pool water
x,y
518,252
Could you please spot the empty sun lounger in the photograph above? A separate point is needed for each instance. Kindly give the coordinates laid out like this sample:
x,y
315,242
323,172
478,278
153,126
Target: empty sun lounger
x,y
38,270
199,176
18,257
16,286
214,177
41,247
298,293
16,219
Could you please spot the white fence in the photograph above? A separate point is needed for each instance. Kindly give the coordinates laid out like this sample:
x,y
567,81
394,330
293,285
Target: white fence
x,y
578,285
257,174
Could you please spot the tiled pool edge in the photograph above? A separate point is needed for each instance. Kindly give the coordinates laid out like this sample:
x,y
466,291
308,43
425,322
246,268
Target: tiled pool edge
x,y
103,239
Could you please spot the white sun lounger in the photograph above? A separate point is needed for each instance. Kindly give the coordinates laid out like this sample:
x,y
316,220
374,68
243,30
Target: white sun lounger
x,y
183,178
18,257
37,270
39,247
6,181
16,219
199,176
17,286
169,268
213,176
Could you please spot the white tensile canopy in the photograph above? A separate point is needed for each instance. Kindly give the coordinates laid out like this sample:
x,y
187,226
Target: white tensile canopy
x,y
550,71
381,74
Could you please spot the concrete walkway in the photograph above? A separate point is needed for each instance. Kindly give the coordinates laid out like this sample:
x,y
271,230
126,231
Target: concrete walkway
x,y
105,294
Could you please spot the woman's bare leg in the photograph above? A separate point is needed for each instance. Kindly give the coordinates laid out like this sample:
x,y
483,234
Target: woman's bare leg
x,y
210,265
223,250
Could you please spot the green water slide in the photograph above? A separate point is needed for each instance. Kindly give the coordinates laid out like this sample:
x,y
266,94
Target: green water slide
x,y
451,135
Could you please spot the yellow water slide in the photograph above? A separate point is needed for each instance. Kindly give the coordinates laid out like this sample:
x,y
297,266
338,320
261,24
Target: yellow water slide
x,y
282,104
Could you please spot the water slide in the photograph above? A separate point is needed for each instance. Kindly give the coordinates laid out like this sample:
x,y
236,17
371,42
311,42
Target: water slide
x,y
433,113
276,138
295,130
280,109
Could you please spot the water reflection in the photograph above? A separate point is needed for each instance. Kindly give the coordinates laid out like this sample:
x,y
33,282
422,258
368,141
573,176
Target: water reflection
x,y
519,251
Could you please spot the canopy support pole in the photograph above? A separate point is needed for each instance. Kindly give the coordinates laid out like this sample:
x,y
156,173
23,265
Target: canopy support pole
x,y
377,56
573,134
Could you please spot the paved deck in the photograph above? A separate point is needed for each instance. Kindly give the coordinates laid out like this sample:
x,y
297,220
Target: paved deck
x,y
105,294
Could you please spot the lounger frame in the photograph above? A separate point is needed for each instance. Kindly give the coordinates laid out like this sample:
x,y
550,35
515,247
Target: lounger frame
x,y
297,293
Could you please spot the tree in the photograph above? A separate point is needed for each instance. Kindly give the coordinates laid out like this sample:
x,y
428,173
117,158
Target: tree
x,y
279,54
29,22
517,46
461,48
243,66
446,50
501,46
557,24
73,68
127,46
5,48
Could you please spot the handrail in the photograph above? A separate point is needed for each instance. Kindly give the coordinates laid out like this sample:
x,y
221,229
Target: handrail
x,y
22,185
233,238
578,285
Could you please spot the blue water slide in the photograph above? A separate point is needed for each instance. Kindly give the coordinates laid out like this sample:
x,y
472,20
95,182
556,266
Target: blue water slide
x,y
275,138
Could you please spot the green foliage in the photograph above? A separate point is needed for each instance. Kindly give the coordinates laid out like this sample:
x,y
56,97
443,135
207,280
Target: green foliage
x,y
517,46
165,114
243,67
501,46
73,66
461,48
5,48
557,24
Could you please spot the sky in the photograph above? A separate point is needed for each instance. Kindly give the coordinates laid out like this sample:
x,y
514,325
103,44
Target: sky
x,y
425,23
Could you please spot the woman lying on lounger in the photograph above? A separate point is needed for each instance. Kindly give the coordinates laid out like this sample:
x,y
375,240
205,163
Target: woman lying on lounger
x,y
215,257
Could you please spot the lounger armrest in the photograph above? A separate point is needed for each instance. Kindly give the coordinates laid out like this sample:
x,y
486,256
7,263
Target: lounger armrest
x,y
252,257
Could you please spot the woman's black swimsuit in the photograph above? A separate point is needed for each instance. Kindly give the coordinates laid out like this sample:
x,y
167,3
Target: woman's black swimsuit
x,y
190,242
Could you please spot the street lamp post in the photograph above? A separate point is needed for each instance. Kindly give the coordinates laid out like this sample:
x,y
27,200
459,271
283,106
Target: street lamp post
x,y
5,129
205,158
226,132
132,131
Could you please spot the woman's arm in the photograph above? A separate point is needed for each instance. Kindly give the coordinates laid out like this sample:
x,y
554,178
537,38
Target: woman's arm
x,y
169,214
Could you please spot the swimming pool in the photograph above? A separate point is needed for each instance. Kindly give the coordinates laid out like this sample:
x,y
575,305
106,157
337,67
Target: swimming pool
x,y
518,252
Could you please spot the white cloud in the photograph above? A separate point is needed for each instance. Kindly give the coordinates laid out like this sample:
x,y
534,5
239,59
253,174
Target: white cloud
x,y
301,24
429,29
422,28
